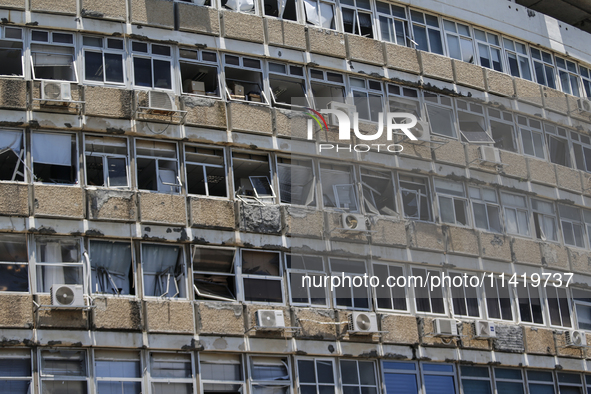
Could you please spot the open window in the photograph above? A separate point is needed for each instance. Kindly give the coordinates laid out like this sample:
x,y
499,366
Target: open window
x,y
459,41
106,161
544,220
357,17
16,374
338,187
14,267
302,293
64,371
586,78
530,303
485,209
349,296
320,13
390,298
118,372
453,205
12,156
252,177
573,229
54,157
393,23
489,49
152,65
326,87
214,275
221,373
171,373
558,306
103,59
368,98
11,51
111,268
378,192
199,72
558,148
532,137
502,129
441,114
52,55
464,299
284,9
262,276
582,301
247,6
516,214
270,375
297,183
288,85
582,150
206,171
164,271
157,166
428,300
544,68
472,122
426,32
517,59
416,198
498,300
58,261
569,78
244,79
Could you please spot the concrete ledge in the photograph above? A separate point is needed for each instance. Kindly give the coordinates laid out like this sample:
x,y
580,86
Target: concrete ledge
x,y
203,111
326,42
402,58
162,208
116,313
169,316
59,201
219,318
241,26
285,33
212,213
197,19
110,204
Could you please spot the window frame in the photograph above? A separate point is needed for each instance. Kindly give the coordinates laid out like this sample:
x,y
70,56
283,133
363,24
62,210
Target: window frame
x,y
34,258
74,165
96,379
530,126
580,385
487,206
54,378
318,13
105,160
151,379
508,380
359,385
495,45
205,166
21,157
537,55
329,167
519,58
105,49
224,359
429,28
202,62
453,374
559,134
562,216
463,377
133,269
311,273
387,176
241,289
182,257
563,69
530,381
569,305
459,36
502,120
317,384
442,103
351,296
473,110
518,209
270,175
276,383
585,73
212,273
444,296
326,82
50,42
263,80
369,93
394,23
410,179
527,287
133,54
314,203
540,214
375,297
157,160
356,25
6,237
584,304
464,296
289,75
498,298
23,48
453,197
385,370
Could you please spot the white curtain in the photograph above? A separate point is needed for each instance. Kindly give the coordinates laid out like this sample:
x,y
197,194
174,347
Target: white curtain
x,y
11,140
241,5
158,261
110,262
52,149
52,253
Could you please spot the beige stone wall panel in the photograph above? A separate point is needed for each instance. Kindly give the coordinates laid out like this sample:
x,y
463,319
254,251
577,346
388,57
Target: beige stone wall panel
x,y
462,240
108,102
60,319
163,208
569,179
515,165
402,58
499,83
104,9
219,318
14,199
495,246
169,316
54,6
539,341
450,151
197,19
250,118
159,13
426,236
213,213
529,92
303,222
388,231
59,201
204,112
108,204
467,74
365,50
399,329
16,311
285,33
292,124
241,26
555,100
541,171
326,42
13,93
526,251
315,323
117,313
436,66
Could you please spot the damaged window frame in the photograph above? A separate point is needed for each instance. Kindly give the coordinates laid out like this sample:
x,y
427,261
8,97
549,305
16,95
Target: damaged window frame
x,y
431,27
360,266
280,13
105,159
51,41
65,354
110,275
17,360
532,139
293,74
487,45
371,194
212,360
13,40
151,150
328,383
20,168
317,19
242,65
473,113
245,276
460,299
582,151
365,93
544,68
558,304
58,268
497,294
498,119
429,293
138,52
362,381
247,189
457,35
517,59
120,370
326,80
526,288
582,308
570,219
270,383
544,216
210,276
357,9
478,198
201,58
296,272
440,105
206,166
520,210
420,187
169,359
46,150
556,135
288,164
396,296
568,75
455,192
109,46
393,24
179,286
18,261
336,189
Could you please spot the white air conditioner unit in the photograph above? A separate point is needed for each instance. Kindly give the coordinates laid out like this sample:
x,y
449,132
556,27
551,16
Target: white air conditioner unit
x,y
67,295
422,130
270,319
355,222
363,322
584,105
575,338
59,91
484,329
346,108
161,102
445,328
489,154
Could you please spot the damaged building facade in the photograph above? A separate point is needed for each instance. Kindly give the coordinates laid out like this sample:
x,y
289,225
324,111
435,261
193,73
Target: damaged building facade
x,y
160,200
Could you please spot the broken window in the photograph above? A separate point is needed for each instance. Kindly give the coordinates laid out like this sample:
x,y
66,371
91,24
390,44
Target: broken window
x,y
464,299
296,181
498,300
15,371
206,171
391,298
12,156
64,372
247,6
111,268
152,67
52,55
573,229
284,9
544,68
214,274
118,372
171,373
270,375
582,301
244,79
326,87
582,151
304,293
428,300
502,129
221,373
453,205
544,220
347,295
378,192
426,32
586,78
157,166
516,214
103,59
316,376
558,149
106,161
252,177
532,137
338,187
357,17
485,208
359,377
367,97
530,303
416,198
558,306
54,157
58,261
472,123
399,375
14,268
517,59
489,49
288,85
164,271
11,51
262,276
459,41
320,13
393,23
199,72
569,78
441,114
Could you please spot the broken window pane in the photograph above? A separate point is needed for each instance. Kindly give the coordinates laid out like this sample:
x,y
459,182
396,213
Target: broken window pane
x,y
253,171
164,271
378,192
452,202
320,13
111,270
12,166
296,181
206,171
58,262
326,87
54,157
199,72
106,161
558,149
298,266
285,9
157,166
262,277
14,268
416,198
288,86
214,273
338,187
239,5
244,79
544,220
